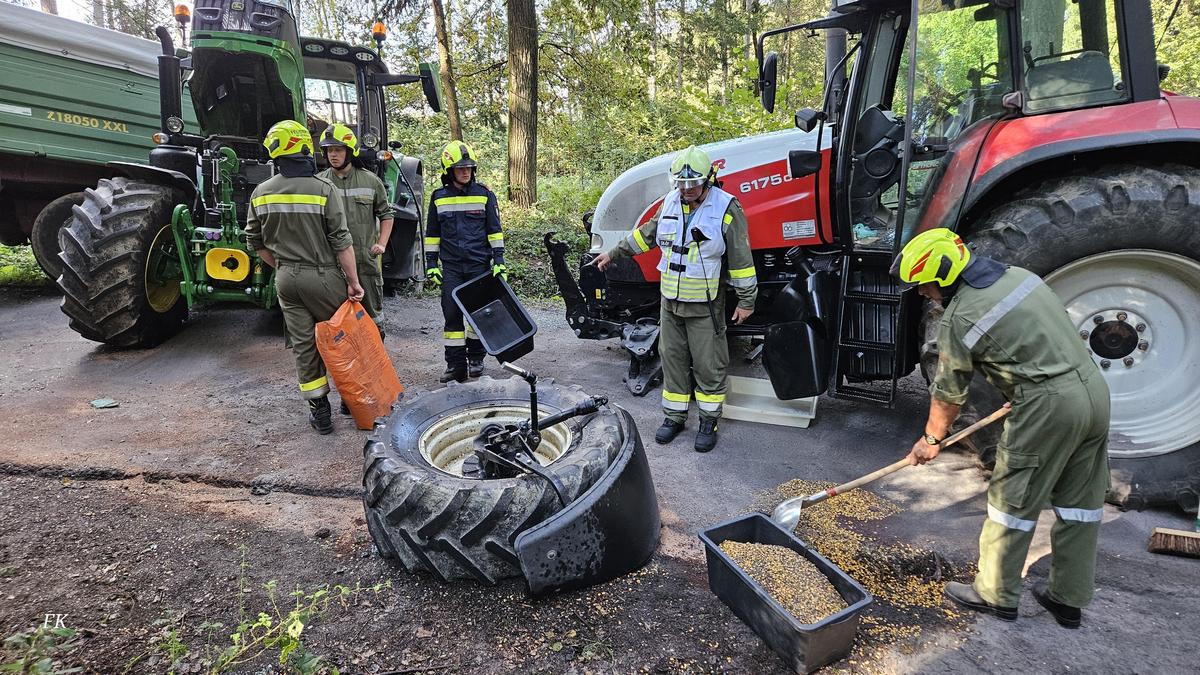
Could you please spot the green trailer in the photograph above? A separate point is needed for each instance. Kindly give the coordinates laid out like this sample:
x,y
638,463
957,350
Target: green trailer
x,y
73,97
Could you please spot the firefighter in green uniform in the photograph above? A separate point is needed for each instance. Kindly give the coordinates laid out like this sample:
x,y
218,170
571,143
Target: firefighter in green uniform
x,y
368,211
463,239
1007,324
296,224
702,233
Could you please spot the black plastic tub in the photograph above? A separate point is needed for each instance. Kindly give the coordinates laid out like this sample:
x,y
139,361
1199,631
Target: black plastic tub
x,y
497,317
804,647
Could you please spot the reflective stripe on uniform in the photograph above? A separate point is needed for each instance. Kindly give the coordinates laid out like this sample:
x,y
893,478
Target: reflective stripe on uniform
x,y
315,384
679,287
454,338
743,278
466,203
433,244
1009,521
709,402
262,200
1001,308
496,240
1079,515
674,401
357,192
639,241
471,332
728,218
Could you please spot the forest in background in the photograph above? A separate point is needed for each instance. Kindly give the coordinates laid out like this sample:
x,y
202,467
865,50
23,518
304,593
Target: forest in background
x,y
618,82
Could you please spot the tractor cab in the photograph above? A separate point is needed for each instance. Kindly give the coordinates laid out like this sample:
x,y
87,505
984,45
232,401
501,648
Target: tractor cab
x,y
915,105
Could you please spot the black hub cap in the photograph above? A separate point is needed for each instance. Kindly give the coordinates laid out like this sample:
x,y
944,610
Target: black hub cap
x,y
1113,340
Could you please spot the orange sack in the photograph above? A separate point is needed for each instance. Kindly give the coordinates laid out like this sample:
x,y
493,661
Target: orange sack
x,y
355,357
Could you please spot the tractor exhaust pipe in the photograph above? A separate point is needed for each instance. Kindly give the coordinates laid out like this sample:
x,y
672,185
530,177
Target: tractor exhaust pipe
x,y
170,81
835,71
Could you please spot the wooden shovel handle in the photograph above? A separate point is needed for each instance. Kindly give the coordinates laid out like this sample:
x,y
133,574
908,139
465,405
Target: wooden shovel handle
x,y
892,468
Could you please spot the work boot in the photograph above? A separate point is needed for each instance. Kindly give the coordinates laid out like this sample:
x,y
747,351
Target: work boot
x,y
474,368
1066,615
668,431
965,595
706,435
456,373
345,409
320,415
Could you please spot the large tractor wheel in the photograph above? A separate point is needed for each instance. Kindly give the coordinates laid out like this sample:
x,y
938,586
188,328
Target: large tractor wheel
x,y
1120,245
421,510
120,272
44,237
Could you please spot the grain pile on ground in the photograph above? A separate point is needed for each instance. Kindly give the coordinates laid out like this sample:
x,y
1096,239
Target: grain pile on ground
x,y
788,577
906,580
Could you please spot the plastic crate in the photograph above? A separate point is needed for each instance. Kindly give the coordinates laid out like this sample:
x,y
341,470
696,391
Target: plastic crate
x,y
497,317
804,647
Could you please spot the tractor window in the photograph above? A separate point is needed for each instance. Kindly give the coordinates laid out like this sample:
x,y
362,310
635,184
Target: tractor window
x,y
329,102
1070,54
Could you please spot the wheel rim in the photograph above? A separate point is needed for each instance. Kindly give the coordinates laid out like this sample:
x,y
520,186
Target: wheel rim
x,y
448,443
162,272
1138,312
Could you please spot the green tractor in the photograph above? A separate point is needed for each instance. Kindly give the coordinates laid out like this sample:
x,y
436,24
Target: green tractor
x,y
159,239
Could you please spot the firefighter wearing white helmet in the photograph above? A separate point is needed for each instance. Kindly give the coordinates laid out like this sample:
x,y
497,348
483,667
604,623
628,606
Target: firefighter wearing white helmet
x,y
702,234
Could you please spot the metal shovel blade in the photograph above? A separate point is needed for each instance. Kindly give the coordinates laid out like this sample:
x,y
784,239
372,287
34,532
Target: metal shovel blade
x,y
787,514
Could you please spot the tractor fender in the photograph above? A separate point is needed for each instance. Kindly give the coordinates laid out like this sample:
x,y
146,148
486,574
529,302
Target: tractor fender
x,y
158,176
609,530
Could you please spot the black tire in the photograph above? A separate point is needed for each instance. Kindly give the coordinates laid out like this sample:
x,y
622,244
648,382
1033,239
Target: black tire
x,y
1097,210
43,239
105,246
461,528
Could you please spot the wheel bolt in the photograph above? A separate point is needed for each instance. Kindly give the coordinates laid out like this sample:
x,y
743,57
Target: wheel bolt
x,y
1121,316
1143,345
1097,319
1105,363
1084,334
1128,361
1141,328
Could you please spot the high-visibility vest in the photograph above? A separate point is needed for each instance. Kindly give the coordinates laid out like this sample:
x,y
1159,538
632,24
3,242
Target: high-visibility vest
x,y
691,270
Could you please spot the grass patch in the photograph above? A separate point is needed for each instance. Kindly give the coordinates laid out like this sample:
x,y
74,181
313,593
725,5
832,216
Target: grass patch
x,y
19,268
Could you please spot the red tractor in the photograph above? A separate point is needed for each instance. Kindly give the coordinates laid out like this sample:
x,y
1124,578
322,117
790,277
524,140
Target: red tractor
x,y
1038,129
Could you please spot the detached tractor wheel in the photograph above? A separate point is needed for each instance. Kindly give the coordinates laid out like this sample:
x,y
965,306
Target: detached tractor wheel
x,y
44,237
422,511
120,271
1120,245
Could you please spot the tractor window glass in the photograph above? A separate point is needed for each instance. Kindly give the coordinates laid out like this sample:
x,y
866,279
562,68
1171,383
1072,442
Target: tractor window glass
x,y
330,102
1069,54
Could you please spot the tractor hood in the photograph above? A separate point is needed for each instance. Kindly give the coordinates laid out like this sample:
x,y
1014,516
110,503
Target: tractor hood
x,y
752,168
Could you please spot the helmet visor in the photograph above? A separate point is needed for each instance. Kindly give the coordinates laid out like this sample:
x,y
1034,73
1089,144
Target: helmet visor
x,y
688,178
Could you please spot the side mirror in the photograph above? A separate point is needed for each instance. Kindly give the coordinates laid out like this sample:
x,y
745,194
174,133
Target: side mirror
x,y
806,120
767,81
803,163
431,84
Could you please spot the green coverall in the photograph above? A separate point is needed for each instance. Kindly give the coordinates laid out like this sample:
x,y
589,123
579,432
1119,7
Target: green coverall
x,y
687,343
1054,447
365,203
300,221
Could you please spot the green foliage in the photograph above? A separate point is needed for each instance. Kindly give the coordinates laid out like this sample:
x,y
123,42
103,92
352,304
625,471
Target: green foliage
x,y
34,651
19,268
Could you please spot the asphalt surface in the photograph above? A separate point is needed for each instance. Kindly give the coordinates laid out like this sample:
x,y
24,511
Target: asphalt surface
x,y
217,404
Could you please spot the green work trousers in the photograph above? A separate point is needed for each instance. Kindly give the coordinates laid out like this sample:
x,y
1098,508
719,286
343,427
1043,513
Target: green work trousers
x,y
692,351
372,283
309,294
1054,449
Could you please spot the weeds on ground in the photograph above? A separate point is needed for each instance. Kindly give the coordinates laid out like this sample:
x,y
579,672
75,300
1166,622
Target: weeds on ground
x,y
33,651
19,268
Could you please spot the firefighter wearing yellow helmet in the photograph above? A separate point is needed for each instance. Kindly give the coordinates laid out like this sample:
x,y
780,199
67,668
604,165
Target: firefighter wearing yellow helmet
x,y
296,224
1007,324
368,211
463,239
702,234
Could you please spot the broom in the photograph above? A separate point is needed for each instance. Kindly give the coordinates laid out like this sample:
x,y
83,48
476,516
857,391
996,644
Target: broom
x,y
1176,542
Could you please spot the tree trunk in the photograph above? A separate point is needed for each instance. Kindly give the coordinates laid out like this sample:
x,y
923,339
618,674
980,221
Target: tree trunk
x,y
681,48
522,102
50,6
98,14
446,70
651,77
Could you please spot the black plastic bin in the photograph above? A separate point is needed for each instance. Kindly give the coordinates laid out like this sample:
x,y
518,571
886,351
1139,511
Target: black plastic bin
x,y
497,317
805,647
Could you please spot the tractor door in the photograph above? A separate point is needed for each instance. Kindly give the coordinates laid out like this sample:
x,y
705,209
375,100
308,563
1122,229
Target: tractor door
x,y
930,85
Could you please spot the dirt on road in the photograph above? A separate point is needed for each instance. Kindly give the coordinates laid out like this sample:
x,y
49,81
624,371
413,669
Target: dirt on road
x,y
158,529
